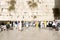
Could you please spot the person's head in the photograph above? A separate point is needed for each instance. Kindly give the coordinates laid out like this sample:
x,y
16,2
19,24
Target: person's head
x,y
8,22
53,20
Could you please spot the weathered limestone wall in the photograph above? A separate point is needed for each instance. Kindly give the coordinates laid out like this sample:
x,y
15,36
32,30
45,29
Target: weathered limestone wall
x,y
23,12
57,4
43,12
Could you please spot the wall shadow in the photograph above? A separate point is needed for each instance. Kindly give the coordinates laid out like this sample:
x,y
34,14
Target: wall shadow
x,y
56,9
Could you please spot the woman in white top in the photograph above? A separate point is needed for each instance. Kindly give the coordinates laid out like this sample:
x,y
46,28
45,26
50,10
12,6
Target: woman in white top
x,y
20,26
4,27
42,24
54,24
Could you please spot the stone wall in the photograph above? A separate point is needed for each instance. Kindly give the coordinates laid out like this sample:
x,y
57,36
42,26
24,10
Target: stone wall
x,y
57,5
24,12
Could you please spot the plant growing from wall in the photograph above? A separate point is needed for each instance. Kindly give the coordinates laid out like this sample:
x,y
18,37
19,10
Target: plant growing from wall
x,y
29,2
32,4
11,8
34,16
12,5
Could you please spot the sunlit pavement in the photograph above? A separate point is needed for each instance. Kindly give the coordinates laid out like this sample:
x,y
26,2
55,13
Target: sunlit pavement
x,y
30,34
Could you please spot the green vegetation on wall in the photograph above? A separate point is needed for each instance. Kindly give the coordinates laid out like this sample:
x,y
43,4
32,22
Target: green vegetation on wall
x,y
32,4
12,5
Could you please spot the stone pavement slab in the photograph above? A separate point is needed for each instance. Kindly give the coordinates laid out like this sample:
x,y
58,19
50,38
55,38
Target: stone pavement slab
x,y
30,34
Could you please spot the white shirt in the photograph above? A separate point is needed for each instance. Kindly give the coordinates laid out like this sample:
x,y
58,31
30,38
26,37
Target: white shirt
x,y
54,23
4,26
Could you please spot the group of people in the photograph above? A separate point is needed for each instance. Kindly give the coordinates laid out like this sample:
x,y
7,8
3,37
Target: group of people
x,y
45,24
38,24
53,25
50,24
6,26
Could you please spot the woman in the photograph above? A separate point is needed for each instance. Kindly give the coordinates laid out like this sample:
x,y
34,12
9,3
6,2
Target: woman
x,y
7,25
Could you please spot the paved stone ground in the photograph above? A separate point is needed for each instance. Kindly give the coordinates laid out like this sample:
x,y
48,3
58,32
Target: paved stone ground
x,y
30,34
